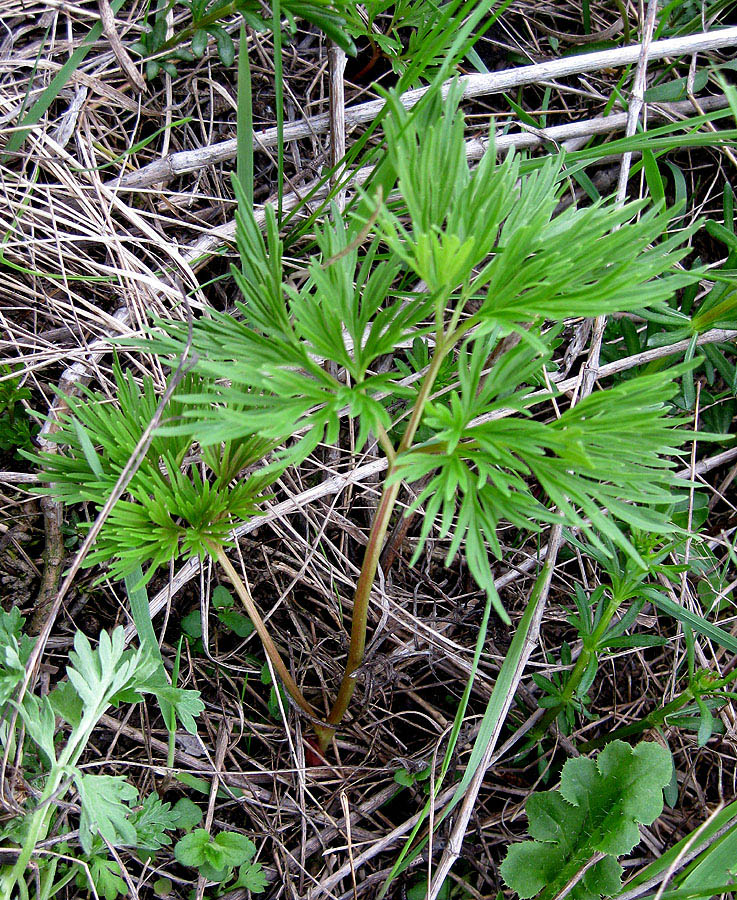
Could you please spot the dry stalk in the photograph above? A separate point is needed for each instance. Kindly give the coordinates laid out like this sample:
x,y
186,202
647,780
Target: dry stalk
x,y
473,86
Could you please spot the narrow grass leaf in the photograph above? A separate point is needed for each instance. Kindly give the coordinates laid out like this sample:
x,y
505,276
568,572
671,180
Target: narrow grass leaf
x,y
698,623
244,121
57,84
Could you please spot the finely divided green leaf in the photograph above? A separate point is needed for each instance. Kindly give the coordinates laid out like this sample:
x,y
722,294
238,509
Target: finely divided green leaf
x,y
152,821
106,802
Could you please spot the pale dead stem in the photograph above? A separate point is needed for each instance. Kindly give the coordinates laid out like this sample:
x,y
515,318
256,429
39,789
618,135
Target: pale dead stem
x,y
473,86
336,68
633,115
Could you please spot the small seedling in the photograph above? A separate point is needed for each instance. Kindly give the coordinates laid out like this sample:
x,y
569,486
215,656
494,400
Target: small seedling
x,y
110,811
596,813
500,273
223,601
16,427
216,857
565,693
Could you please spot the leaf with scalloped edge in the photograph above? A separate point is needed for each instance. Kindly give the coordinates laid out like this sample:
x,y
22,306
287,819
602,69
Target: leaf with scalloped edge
x,y
598,810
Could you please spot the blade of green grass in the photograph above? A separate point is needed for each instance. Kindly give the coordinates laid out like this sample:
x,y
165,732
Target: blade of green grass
x,y
653,177
54,276
171,723
134,148
685,616
586,10
664,137
57,83
244,121
692,893
452,741
279,91
714,866
32,76
706,833
138,598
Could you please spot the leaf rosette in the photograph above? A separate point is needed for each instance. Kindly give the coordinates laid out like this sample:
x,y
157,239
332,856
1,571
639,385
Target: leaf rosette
x,y
596,812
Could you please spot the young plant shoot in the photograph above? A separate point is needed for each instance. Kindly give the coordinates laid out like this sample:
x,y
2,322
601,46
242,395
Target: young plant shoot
x,y
479,269
581,829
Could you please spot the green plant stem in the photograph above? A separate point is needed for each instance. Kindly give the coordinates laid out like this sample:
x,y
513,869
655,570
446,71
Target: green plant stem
x,y
269,646
41,817
442,346
36,831
657,717
361,604
51,888
625,20
244,119
171,724
584,658
386,444
652,720
211,18
379,527
279,103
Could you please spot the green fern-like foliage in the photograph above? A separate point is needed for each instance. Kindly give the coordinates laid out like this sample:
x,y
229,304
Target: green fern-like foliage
x,y
596,812
495,273
174,507
500,272
604,453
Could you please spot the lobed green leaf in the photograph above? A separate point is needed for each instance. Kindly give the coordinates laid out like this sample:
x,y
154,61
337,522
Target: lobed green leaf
x,y
598,809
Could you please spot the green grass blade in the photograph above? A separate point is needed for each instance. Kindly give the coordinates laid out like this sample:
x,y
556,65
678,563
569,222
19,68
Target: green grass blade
x,y
134,148
32,76
171,723
279,91
58,82
244,122
586,10
705,833
138,598
698,623
692,893
714,866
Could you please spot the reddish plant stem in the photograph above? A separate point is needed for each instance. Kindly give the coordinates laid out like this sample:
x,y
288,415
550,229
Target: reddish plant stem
x,y
272,652
379,527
